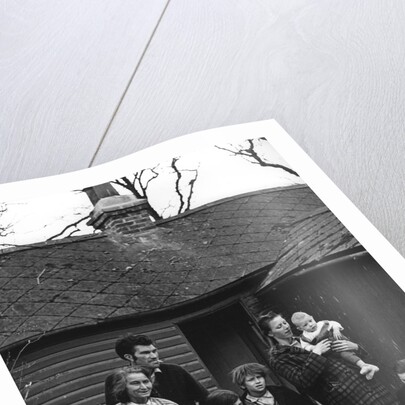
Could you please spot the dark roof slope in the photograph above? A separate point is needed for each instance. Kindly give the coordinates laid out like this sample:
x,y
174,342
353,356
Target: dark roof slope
x,y
71,282
311,239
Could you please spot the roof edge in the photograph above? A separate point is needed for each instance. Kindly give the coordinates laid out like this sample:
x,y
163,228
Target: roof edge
x,y
227,199
192,305
344,255
73,239
47,243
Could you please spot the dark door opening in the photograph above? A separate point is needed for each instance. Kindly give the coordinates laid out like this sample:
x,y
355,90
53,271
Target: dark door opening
x,y
225,339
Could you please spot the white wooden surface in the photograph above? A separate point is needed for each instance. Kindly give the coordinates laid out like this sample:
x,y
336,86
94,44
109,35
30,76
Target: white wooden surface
x,y
64,66
85,82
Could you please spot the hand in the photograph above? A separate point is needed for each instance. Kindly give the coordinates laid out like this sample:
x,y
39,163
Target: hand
x,y
337,334
344,345
322,347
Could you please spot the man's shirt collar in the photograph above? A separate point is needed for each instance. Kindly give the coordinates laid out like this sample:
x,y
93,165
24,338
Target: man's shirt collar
x,y
266,399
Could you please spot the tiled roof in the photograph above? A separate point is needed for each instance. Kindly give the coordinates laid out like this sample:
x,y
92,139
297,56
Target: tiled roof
x,y
76,281
311,239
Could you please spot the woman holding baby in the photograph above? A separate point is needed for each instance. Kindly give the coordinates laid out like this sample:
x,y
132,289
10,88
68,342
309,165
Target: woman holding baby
x,y
326,379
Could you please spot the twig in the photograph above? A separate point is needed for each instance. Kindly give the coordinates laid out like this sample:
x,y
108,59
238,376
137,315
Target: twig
x,y
39,275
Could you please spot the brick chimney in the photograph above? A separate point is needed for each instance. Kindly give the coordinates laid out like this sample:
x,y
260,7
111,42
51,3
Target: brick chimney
x,y
123,214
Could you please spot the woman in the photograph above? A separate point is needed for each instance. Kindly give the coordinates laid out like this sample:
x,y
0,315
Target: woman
x,y
328,380
222,397
132,385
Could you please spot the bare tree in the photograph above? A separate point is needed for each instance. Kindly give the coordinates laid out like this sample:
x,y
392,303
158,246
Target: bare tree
x,y
184,193
139,185
5,228
250,153
184,182
70,230
140,182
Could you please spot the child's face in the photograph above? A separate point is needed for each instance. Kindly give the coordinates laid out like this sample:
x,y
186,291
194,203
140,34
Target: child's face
x,y
255,385
402,377
308,324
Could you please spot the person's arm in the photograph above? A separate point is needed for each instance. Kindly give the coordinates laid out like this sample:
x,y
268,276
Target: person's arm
x,y
304,376
347,345
306,345
335,325
336,329
291,397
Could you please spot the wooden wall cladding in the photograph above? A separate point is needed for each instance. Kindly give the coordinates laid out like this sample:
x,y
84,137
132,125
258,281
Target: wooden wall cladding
x,y
73,372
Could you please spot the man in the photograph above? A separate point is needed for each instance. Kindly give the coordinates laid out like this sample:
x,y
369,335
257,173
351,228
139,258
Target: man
x,y
328,380
171,381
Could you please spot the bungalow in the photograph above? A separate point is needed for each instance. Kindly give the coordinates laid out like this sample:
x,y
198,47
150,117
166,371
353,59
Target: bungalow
x,y
195,283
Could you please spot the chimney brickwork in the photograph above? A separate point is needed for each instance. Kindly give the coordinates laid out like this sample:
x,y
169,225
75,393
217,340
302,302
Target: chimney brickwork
x,y
122,214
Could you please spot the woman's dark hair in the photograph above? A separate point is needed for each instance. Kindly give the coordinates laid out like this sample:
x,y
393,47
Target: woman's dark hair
x,y
221,397
264,325
115,386
264,321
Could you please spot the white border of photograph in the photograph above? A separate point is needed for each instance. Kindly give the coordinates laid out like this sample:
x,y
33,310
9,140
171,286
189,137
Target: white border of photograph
x,y
372,240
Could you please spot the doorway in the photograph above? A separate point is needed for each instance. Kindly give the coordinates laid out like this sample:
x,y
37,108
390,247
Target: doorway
x,y
226,339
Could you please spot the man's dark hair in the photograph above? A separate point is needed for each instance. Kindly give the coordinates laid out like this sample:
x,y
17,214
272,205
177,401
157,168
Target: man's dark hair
x,y
126,344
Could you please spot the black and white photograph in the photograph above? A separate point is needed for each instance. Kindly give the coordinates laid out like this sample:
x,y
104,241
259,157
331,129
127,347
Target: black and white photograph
x,y
210,274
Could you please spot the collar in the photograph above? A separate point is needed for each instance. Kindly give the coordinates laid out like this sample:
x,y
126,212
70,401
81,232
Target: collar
x,y
295,347
296,342
136,403
265,399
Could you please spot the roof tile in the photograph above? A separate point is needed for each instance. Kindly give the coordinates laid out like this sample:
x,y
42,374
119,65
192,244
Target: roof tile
x,y
103,276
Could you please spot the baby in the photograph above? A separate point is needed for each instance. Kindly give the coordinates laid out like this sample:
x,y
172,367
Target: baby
x,y
314,332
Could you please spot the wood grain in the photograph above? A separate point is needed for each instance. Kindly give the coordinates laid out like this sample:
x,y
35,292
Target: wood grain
x,y
330,72
63,68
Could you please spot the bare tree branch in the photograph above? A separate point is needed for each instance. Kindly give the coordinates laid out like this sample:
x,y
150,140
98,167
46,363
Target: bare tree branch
x,y
144,187
191,184
251,155
177,184
126,183
67,227
139,186
29,342
184,194
5,229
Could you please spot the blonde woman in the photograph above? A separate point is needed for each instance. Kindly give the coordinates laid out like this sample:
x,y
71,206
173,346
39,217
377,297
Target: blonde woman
x,y
132,385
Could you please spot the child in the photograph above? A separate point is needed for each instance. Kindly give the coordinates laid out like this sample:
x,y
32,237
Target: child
x,y
314,332
400,370
251,378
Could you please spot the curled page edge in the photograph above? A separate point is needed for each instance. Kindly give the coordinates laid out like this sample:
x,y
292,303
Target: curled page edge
x,y
344,209
351,217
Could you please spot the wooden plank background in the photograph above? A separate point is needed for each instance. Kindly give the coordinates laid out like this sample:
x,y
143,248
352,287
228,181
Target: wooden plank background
x,y
82,83
73,372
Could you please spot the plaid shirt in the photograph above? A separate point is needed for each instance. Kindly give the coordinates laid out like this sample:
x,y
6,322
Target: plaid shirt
x,y
327,380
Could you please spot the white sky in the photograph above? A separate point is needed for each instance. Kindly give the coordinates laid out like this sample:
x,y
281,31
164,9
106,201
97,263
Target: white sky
x,y
36,213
